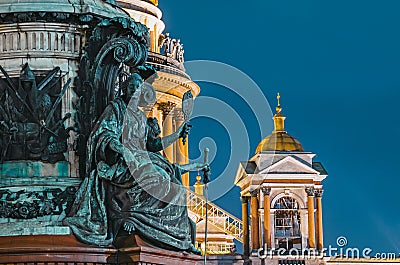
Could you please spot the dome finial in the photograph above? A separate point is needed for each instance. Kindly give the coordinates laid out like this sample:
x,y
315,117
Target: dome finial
x,y
279,140
278,108
279,119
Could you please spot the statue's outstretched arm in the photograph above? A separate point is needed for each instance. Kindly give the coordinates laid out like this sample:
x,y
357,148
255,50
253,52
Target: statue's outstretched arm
x,y
193,167
166,141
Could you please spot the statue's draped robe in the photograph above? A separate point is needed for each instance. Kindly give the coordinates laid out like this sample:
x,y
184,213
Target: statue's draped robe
x,y
143,190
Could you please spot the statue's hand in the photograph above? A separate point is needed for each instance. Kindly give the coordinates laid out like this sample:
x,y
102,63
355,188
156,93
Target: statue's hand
x,y
184,130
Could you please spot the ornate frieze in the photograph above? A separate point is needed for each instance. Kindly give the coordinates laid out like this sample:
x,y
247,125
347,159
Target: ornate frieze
x,y
52,17
23,204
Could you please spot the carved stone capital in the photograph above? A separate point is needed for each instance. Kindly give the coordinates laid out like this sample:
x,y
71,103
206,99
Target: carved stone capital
x,y
318,193
244,199
310,191
166,107
254,193
266,191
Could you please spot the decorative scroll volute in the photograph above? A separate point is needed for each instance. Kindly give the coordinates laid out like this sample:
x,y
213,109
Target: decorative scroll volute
x,y
116,45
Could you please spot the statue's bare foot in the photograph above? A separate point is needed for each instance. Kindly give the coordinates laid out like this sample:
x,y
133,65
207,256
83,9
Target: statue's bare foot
x,y
129,227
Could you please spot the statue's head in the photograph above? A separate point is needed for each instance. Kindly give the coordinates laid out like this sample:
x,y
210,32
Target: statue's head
x,y
154,127
135,89
131,87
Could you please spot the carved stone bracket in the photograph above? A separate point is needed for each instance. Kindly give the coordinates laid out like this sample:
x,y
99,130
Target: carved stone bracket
x,y
147,109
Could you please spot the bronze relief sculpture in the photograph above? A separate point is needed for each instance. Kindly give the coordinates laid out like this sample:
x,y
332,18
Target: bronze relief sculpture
x,y
31,126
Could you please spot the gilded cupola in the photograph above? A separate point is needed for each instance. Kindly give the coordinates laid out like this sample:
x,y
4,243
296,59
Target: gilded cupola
x,y
279,140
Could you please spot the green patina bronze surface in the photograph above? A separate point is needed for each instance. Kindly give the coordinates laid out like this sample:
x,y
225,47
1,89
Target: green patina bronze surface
x,y
128,187
28,169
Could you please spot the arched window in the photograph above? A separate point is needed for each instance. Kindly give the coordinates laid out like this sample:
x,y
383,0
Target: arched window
x,y
287,223
286,203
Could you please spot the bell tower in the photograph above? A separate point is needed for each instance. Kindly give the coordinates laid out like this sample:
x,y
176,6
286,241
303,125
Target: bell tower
x,y
283,184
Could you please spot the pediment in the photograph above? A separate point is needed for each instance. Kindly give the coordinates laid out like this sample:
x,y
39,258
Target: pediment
x,y
289,165
245,168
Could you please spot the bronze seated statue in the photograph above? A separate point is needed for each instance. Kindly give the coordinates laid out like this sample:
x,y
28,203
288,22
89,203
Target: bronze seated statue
x,y
130,188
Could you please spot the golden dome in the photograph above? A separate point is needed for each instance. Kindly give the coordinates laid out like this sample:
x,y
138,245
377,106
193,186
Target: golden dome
x,y
279,140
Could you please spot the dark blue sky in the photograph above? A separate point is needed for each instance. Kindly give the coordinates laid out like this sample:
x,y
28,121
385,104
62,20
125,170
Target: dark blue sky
x,y
336,64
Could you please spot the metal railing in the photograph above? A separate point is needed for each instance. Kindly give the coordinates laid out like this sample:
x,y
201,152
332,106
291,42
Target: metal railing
x,y
166,64
218,248
217,216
